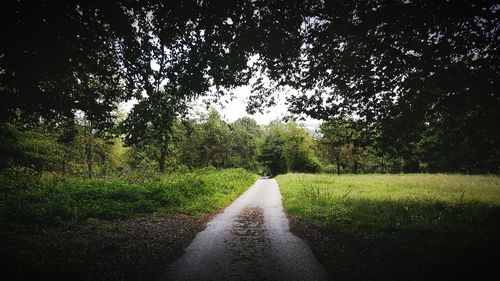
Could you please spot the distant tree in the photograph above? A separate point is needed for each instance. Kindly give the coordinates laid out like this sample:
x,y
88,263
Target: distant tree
x,y
299,149
214,145
151,122
39,149
287,148
186,138
345,141
211,141
245,133
272,149
142,157
70,149
9,145
333,139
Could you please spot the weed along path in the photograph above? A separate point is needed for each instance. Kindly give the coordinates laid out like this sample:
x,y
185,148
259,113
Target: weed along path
x,y
250,240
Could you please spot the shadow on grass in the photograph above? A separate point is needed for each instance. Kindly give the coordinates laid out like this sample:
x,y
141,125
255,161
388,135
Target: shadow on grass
x,y
362,239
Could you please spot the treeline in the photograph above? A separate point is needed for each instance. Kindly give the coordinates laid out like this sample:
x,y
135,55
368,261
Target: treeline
x,y
337,146
351,145
206,141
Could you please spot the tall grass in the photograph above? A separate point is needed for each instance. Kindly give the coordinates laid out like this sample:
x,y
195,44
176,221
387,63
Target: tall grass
x,y
392,202
28,199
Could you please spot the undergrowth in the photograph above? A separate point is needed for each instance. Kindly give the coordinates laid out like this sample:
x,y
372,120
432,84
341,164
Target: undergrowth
x,y
30,200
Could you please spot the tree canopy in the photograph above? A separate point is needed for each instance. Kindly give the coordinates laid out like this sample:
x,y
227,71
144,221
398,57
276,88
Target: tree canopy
x,y
421,76
412,69
60,58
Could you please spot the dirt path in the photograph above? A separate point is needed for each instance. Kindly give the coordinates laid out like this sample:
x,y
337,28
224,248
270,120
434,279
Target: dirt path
x,y
250,240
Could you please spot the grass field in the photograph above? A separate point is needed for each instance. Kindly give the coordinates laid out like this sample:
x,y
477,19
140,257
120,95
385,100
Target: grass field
x,y
27,199
384,202
398,227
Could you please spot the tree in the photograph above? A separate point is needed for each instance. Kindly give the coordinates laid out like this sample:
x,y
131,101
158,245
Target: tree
x,y
271,150
333,142
215,141
151,121
401,66
186,139
245,133
57,59
406,68
211,141
61,59
298,149
345,141
287,148
182,53
9,145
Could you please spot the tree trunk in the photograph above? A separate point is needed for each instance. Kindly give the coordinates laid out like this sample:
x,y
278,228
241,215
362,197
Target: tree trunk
x,y
355,167
161,160
88,156
88,152
337,159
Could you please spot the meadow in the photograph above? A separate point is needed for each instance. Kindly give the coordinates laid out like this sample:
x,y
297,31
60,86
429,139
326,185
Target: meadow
x,y
398,226
401,201
30,200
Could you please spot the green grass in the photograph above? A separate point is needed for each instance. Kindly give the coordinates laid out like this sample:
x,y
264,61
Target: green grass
x,y
387,202
29,200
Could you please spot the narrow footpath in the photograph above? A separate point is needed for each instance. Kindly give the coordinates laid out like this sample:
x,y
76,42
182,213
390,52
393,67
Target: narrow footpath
x,y
250,240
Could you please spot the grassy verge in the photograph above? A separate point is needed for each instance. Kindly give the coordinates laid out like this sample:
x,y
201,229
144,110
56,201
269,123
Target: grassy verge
x,y
395,227
29,200
69,228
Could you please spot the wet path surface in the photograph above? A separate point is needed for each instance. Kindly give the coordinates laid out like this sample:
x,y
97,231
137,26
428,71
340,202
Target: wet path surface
x,y
250,240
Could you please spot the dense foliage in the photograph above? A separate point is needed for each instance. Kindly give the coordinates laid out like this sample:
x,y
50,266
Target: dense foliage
x,y
422,75
191,143
338,146
27,199
421,78
287,147
58,59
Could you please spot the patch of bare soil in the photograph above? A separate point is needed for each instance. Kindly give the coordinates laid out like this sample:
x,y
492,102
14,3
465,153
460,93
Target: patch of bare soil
x,y
401,256
134,249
